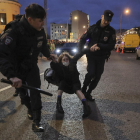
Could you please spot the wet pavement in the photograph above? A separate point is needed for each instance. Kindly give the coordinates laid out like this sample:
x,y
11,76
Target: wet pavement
x,y
115,112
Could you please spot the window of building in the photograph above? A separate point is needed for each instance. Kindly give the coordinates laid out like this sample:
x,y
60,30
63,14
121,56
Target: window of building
x,y
13,17
3,19
55,26
52,28
52,32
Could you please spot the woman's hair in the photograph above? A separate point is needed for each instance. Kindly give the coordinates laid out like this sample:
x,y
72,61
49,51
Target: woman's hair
x,y
62,55
35,11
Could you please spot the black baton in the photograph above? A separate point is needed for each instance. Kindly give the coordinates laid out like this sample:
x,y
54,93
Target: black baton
x,y
27,87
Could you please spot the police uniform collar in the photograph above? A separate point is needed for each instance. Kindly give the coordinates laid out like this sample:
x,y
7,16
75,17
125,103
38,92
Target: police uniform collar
x,y
99,22
27,26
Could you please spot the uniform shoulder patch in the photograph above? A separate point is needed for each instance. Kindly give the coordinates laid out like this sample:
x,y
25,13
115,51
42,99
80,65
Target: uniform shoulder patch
x,y
8,40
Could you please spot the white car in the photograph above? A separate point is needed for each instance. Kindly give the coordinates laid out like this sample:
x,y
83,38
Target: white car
x,y
137,52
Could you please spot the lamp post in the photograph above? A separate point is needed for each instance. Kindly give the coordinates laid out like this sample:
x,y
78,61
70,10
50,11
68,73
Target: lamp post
x,y
126,12
67,31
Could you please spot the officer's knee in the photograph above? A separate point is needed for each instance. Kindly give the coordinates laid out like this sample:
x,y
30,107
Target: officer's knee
x,y
91,75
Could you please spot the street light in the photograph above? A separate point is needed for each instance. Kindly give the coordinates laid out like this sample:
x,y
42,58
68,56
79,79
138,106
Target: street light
x,y
75,17
127,11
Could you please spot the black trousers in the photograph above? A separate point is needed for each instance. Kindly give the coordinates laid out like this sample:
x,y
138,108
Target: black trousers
x,y
95,69
69,87
32,101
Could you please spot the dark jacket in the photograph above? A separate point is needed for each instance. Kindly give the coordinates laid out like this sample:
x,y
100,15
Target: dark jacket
x,y
105,38
69,73
20,46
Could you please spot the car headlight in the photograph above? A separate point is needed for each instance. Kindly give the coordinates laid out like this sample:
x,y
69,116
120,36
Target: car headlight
x,y
74,50
85,47
58,51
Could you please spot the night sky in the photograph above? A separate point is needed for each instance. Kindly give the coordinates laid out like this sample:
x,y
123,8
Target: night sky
x,y
59,11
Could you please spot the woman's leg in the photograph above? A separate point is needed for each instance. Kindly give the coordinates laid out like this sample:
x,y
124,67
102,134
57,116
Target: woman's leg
x,y
60,92
86,107
58,105
80,94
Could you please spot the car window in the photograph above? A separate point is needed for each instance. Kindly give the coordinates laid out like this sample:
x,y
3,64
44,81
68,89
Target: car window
x,y
70,45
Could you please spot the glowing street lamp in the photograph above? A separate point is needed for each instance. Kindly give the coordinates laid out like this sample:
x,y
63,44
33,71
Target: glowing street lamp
x,y
127,11
75,17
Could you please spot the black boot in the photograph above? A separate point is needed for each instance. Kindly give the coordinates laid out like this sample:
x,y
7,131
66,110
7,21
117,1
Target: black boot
x,y
59,106
89,97
36,127
86,109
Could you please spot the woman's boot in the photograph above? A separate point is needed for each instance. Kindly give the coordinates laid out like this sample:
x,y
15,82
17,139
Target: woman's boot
x,y
59,106
86,109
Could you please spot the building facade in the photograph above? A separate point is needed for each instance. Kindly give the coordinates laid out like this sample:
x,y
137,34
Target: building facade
x,y
8,10
59,31
79,24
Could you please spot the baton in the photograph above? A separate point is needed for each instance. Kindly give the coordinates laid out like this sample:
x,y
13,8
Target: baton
x,y
27,87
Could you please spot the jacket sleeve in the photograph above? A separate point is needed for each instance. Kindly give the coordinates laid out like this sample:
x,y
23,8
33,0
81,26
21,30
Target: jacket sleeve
x,y
7,46
111,43
84,37
79,55
56,67
45,49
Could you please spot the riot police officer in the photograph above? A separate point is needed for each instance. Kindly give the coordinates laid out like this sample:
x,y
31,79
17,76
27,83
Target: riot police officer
x,y
20,44
102,39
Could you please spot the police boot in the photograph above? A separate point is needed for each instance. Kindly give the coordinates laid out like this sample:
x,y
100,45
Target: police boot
x,y
89,97
59,106
36,127
86,109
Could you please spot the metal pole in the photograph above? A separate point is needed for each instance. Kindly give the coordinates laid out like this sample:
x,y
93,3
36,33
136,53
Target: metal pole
x,y
45,24
120,24
67,33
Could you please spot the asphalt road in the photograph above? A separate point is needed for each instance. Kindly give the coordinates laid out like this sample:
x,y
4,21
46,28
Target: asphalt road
x,y
115,112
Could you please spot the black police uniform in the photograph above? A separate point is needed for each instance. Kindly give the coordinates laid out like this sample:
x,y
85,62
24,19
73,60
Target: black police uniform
x,y
20,46
105,39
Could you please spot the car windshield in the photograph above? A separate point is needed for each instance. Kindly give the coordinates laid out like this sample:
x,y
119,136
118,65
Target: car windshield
x,y
68,45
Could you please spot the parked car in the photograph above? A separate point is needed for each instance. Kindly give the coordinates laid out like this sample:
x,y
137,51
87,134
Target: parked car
x,y
71,48
138,52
